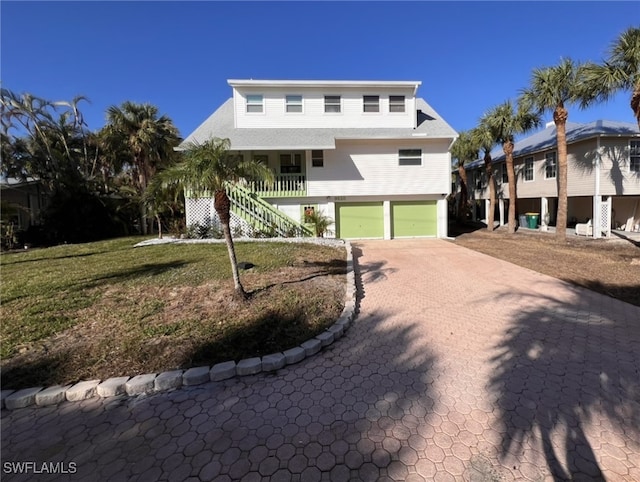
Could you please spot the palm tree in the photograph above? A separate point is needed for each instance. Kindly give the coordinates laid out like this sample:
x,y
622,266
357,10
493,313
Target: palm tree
x,y
551,89
464,150
505,123
620,71
210,167
483,137
147,139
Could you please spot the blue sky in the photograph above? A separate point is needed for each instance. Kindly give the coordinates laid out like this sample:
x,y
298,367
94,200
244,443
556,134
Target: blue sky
x,y
470,56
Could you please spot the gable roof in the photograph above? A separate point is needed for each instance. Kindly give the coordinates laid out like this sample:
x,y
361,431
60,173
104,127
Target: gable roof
x,y
221,124
546,138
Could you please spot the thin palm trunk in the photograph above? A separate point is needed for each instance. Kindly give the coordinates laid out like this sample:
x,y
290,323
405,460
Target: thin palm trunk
x,y
635,103
560,116
492,191
159,226
507,147
222,205
464,193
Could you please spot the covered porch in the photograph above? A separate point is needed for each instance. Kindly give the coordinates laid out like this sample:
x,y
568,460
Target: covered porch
x,y
290,169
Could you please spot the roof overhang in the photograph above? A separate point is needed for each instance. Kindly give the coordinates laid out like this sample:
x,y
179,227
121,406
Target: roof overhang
x,y
413,84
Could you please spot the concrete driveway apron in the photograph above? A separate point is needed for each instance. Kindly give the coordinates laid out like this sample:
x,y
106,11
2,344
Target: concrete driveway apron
x,y
458,367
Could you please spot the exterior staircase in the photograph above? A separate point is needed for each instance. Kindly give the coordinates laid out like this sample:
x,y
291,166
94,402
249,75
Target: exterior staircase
x,y
262,216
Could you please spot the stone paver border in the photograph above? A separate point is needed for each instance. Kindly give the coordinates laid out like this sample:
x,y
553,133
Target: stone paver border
x,y
154,383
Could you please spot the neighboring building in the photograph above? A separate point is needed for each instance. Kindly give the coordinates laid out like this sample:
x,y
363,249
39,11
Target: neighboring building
x,y
370,155
603,176
22,202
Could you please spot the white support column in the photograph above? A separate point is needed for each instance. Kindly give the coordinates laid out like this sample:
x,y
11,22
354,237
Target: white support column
x,y
442,210
386,214
501,209
487,206
544,211
331,212
596,220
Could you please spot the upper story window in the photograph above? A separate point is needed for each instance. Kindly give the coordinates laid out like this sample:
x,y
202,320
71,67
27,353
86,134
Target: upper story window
x,y
317,158
255,103
291,163
410,157
550,165
332,103
634,156
371,103
396,103
294,103
528,169
505,178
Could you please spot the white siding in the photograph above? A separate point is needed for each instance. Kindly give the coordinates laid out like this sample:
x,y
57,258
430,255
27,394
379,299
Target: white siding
x,y
615,176
274,114
357,168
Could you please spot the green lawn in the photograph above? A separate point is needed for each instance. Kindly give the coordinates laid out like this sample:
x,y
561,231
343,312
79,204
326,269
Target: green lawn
x,y
106,308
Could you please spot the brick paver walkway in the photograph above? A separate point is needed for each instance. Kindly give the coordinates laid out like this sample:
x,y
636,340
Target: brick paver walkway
x,y
459,367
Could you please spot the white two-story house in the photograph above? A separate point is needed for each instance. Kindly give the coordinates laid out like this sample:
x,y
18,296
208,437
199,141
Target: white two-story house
x,y
370,155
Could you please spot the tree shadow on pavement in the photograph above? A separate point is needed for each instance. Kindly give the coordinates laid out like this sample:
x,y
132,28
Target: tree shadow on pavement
x,y
564,376
362,409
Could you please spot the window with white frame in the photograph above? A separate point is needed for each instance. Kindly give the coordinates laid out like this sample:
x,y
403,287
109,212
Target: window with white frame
x,y
255,104
478,179
410,157
505,178
332,103
396,103
528,169
317,158
371,103
291,163
634,156
294,103
550,165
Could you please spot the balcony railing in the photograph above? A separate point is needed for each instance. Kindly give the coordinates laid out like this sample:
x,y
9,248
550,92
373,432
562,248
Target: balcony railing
x,y
284,185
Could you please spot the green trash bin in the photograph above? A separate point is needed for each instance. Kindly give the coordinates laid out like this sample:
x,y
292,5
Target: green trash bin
x,y
532,220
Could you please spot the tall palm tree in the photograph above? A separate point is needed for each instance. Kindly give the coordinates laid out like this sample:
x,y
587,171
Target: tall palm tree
x,y
620,71
551,89
484,138
210,167
148,140
464,150
505,123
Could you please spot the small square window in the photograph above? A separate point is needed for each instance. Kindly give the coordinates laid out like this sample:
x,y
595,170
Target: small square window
x,y
261,158
634,156
332,103
396,103
410,157
550,165
317,158
294,103
290,163
371,103
254,104
528,169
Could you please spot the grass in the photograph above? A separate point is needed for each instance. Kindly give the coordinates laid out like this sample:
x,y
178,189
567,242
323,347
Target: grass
x,y
607,266
104,309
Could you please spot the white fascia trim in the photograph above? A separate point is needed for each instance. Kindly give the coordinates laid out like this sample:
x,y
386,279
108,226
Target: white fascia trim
x,y
282,148
324,83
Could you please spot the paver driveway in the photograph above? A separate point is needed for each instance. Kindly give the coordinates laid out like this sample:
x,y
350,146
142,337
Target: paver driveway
x,y
459,367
